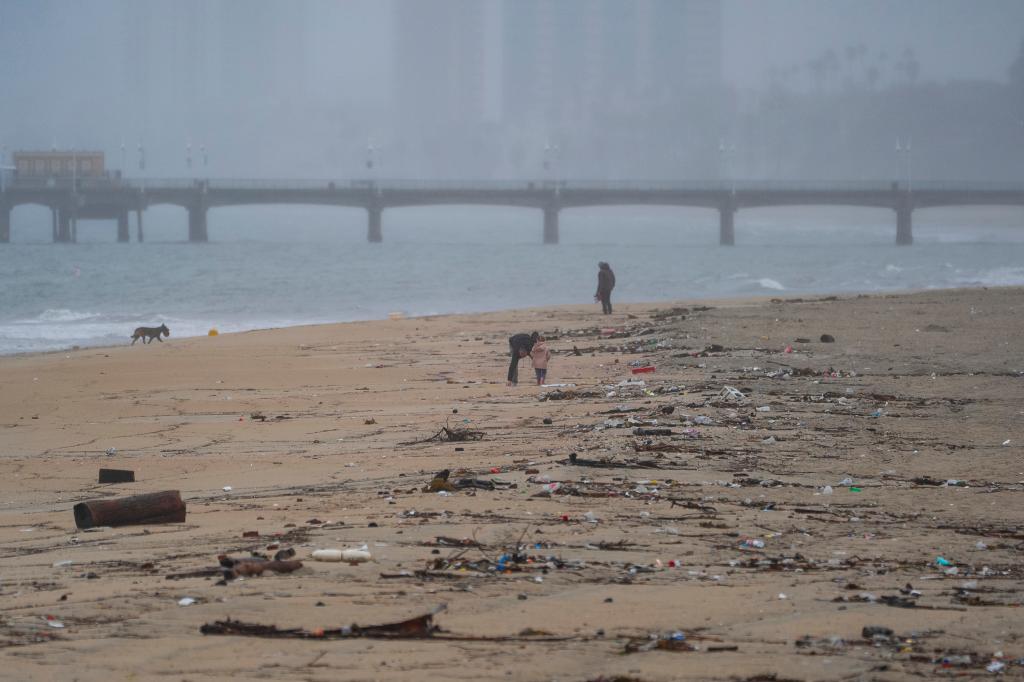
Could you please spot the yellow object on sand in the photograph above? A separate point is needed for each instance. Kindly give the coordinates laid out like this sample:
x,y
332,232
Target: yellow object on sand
x,y
212,332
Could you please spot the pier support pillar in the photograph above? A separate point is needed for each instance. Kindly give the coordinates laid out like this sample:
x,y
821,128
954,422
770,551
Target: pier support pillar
x,y
123,235
64,233
197,224
138,225
374,234
5,222
53,213
551,225
904,224
726,225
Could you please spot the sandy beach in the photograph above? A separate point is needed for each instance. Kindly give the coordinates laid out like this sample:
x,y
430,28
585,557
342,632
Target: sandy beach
x,y
874,481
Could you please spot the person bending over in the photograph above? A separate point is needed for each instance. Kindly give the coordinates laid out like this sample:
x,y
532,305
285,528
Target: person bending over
x,y
519,346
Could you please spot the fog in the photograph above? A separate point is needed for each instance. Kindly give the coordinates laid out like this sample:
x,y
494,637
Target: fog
x,y
598,89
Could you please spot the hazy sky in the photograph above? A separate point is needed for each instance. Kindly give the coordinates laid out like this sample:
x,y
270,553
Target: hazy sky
x,y
298,87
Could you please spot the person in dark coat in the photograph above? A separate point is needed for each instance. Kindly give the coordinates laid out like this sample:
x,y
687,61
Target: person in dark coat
x,y
605,284
519,346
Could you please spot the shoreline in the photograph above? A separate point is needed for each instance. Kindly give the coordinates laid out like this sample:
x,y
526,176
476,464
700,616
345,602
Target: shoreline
x,y
717,300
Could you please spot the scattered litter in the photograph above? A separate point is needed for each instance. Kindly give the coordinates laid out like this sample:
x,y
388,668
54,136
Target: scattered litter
x,y
733,395
186,601
449,434
351,556
116,476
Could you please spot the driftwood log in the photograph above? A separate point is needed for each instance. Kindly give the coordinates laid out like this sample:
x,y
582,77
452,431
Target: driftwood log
x,y
162,507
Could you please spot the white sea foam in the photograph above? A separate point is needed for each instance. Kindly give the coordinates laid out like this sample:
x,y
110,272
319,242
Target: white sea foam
x,y
240,286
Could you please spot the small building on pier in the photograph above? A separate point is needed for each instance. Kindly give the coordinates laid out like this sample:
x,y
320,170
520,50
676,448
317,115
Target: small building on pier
x,y
59,163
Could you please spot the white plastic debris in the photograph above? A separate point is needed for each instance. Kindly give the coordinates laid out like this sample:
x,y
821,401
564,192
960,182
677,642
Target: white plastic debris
x,y
227,488
351,556
730,394
827,490
186,601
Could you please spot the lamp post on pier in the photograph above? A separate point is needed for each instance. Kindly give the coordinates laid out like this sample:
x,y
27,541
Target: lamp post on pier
x,y
371,160
725,151
3,169
904,147
549,161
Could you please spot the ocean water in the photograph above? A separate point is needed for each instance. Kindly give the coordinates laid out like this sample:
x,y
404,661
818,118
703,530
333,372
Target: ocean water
x,y
274,270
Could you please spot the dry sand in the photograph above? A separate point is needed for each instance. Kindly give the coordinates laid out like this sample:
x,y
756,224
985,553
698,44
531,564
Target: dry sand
x,y
941,370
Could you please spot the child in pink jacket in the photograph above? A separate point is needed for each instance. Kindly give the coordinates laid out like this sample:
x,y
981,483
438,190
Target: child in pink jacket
x,y
540,356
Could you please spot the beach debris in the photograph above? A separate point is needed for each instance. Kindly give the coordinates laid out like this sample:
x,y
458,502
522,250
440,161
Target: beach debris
x,y
116,476
212,332
729,394
653,432
186,601
439,482
576,460
254,566
828,338
673,641
647,369
559,394
351,556
53,622
449,434
151,508
418,627
110,451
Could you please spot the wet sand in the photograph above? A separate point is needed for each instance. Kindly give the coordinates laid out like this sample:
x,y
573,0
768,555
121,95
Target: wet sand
x,y
721,531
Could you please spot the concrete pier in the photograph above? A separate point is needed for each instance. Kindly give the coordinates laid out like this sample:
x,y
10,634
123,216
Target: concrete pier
x,y
550,224
904,224
113,199
374,233
197,223
5,222
63,235
727,224
123,235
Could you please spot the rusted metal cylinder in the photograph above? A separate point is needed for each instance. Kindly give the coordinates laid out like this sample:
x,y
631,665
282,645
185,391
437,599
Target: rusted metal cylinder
x,y
162,507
